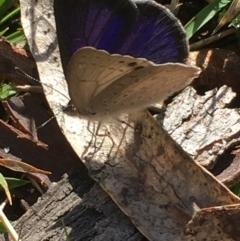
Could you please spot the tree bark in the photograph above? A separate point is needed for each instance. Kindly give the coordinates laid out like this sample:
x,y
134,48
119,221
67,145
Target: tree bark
x,y
82,207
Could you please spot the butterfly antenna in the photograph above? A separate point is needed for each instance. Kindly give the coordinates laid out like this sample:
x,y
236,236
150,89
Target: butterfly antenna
x,y
23,73
36,80
50,119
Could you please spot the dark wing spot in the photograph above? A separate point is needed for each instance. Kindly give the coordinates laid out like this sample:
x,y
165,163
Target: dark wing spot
x,y
121,62
138,67
132,64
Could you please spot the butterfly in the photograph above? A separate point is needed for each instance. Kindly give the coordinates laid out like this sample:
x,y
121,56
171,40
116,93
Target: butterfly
x,y
120,55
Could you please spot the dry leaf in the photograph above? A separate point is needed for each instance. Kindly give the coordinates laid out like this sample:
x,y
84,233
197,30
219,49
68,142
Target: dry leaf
x,y
19,166
215,223
229,15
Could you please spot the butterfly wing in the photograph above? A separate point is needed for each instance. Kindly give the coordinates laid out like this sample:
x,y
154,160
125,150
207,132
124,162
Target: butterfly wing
x,y
143,87
91,71
102,24
139,28
157,35
104,84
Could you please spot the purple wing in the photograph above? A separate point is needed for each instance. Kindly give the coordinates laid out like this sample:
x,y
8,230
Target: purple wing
x,y
140,28
157,35
103,24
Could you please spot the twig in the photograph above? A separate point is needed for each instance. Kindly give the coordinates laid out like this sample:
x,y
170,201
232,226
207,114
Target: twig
x,y
7,224
211,39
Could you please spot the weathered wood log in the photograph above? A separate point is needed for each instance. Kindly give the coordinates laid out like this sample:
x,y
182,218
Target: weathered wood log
x,y
78,204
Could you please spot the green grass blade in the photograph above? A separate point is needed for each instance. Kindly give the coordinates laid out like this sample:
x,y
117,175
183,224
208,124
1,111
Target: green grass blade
x,y
10,15
204,16
4,6
2,32
16,37
15,182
